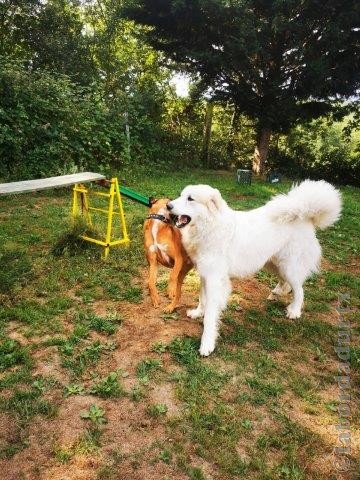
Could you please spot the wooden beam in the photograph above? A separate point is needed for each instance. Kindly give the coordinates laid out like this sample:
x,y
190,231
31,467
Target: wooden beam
x,y
46,183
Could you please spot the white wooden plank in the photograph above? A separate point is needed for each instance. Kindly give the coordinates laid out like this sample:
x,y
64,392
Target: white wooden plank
x,y
46,183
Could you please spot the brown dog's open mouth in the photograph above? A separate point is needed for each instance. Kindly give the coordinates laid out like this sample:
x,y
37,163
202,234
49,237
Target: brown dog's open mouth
x,y
180,221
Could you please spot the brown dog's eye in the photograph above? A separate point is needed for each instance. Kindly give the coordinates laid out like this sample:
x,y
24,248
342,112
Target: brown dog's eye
x,y
190,198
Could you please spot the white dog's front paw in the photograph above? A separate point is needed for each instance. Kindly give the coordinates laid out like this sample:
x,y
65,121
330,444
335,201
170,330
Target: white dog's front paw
x,y
206,347
194,313
292,312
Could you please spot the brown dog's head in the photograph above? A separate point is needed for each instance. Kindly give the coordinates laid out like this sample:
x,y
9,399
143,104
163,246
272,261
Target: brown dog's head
x,y
159,206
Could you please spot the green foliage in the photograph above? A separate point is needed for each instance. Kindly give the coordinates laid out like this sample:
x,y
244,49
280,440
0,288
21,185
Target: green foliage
x,y
157,410
62,454
165,456
95,414
12,353
77,361
11,449
136,394
355,358
36,314
159,348
86,321
274,69
319,149
48,35
90,440
263,391
108,386
74,389
106,325
74,76
21,375
146,367
55,125
71,78
184,350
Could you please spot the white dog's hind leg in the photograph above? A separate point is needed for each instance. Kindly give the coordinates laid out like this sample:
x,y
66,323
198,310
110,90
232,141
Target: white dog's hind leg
x,y
294,309
217,291
199,310
298,261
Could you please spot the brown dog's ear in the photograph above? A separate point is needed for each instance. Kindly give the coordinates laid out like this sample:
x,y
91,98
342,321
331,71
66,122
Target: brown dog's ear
x,y
215,201
152,200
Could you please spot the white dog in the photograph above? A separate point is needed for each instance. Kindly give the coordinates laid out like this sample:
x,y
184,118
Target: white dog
x,y
224,243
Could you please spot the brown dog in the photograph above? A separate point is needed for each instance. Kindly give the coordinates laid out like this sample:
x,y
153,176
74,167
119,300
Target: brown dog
x,y
163,245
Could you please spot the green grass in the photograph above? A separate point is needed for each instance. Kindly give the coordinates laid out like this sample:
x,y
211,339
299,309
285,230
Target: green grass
x,y
15,269
89,442
25,404
241,413
12,353
107,325
78,359
146,368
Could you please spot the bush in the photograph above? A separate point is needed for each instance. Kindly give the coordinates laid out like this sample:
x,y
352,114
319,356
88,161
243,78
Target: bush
x,y
320,151
50,126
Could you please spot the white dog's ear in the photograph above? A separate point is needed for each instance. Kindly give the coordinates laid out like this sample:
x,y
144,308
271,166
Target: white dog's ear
x,y
215,201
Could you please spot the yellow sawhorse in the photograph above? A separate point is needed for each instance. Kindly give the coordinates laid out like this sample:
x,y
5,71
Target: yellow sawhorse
x,y
81,196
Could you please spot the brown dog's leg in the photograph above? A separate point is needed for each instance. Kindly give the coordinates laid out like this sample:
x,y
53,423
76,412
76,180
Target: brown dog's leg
x,y
179,281
153,267
173,280
171,290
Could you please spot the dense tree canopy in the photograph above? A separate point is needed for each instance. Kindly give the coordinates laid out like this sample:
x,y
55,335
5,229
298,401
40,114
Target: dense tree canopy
x,y
82,86
280,62
47,35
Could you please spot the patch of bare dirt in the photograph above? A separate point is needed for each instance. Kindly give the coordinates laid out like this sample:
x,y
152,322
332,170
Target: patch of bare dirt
x,y
48,363
143,326
102,308
142,470
34,462
28,462
323,425
352,265
79,468
8,430
250,294
130,430
164,393
14,332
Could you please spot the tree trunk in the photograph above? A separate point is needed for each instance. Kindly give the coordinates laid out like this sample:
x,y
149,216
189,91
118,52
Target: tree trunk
x,y
261,150
230,147
207,133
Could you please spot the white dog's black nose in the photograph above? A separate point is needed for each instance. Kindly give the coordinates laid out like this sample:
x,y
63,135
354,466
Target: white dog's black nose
x,y
169,206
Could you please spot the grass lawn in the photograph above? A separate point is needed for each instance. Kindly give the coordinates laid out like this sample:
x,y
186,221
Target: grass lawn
x,y
97,384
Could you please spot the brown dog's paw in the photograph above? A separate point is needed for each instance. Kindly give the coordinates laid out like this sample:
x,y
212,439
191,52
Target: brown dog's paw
x,y
155,301
170,308
171,291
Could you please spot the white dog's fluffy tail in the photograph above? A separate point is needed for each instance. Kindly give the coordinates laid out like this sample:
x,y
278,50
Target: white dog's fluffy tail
x,y
314,201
